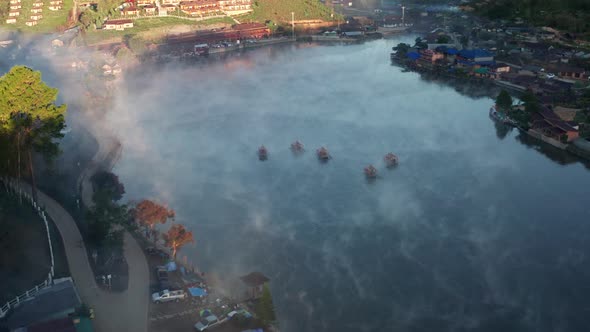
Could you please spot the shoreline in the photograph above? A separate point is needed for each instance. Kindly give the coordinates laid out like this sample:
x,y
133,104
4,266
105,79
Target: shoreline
x,y
572,148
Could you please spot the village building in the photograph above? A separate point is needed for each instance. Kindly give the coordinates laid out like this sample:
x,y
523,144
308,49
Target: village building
x,y
11,20
201,7
55,7
167,8
530,70
430,57
14,2
56,2
13,13
141,3
15,6
116,69
130,11
37,4
235,7
548,124
566,114
57,43
150,10
476,56
572,73
36,17
36,10
253,284
170,2
251,30
107,70
118,24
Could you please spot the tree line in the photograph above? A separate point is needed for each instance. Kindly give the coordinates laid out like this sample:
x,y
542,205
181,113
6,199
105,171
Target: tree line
x,y
32,123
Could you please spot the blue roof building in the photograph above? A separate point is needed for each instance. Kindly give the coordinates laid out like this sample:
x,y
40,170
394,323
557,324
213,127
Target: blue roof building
x,y
477,55
413,55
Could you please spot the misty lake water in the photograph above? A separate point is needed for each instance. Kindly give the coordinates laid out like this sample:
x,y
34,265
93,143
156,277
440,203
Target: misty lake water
x,y
474,231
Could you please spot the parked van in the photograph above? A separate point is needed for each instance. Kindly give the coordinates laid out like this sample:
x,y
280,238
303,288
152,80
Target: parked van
x,y
168,295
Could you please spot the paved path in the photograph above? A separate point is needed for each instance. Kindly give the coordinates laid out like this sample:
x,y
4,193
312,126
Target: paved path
x,y
127,311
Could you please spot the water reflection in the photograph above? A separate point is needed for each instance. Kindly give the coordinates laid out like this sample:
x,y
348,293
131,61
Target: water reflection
x,y
472,232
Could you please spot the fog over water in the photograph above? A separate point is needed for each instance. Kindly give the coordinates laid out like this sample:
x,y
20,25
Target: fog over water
x,y
470,233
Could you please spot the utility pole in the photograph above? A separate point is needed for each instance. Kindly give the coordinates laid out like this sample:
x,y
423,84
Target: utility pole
x,y
293,25
404,15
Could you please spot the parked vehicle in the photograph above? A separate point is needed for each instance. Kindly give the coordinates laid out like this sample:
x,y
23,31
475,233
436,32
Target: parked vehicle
x,y
162,277
207,322
153,251
168,295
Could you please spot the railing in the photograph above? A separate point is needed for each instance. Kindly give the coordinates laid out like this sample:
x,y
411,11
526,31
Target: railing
x,y
12,186
25,296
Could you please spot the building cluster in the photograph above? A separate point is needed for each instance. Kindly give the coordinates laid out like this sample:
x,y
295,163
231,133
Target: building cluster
x,y
196,8
543,61
36,11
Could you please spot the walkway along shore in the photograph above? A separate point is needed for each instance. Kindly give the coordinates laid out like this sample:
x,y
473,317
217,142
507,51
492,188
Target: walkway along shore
x,y
125,311
128,310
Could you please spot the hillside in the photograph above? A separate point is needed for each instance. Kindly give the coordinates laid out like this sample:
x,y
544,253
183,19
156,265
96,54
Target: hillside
x,y
51,21
279,11
567,15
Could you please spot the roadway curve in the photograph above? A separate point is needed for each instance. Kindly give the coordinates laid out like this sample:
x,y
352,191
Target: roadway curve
x,y
114,312
126,311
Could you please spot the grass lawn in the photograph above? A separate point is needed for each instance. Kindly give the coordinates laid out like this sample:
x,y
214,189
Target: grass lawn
x,y
153,28
280,11
24,252
50,21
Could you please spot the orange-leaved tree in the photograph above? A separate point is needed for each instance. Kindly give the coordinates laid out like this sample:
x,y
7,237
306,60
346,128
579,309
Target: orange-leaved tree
x,y
176,237
150,213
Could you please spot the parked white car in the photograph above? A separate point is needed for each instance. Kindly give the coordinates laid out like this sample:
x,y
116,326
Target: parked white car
x,y
168,295
550,75
206,322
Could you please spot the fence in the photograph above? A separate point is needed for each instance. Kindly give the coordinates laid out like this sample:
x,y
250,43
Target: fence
x,y
15,187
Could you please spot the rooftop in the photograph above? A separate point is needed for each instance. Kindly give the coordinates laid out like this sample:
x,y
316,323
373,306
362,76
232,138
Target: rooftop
x,y
48,303
255,279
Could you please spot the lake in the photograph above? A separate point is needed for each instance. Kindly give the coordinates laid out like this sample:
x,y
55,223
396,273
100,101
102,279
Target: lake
x,y
477,229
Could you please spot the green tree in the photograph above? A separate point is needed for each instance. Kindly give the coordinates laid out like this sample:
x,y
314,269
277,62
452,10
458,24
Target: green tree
x,y
29,119
420,43
504,101
87,18
402,49
265,308
531,102
442,39
101,221
107,188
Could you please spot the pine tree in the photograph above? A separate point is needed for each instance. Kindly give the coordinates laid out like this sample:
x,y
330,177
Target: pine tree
x,y
504,101
29,120
265,308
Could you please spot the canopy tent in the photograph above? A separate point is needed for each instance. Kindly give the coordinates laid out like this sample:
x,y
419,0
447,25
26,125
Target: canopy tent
x,y
197,292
